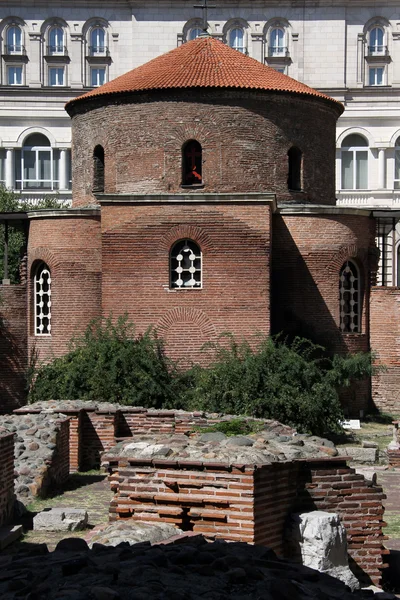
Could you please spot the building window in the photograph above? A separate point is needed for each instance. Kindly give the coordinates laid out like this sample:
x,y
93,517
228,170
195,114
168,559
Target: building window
x,y
56,76
15,75
97,42
42,302
376,42
37,164
194,33
354,157
14,40
294,176
277,46
185,265
56,41
97,76
236,39
98,169
376,76
192,162
349,290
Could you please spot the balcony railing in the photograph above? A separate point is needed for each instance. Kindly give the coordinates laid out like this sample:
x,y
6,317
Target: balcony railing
x,y
278,52
98,51
56,51
378,51
15,50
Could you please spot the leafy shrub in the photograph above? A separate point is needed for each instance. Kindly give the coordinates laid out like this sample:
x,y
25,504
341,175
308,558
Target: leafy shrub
x,y
109,363
296,383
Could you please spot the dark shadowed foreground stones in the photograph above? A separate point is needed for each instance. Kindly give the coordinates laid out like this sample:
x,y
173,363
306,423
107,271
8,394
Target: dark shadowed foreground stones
x,y
189,569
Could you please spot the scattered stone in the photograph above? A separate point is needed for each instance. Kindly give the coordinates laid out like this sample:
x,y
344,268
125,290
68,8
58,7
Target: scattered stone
x,y
61,519
239,440
212,436
369,444
132,532
361,455
8,535
318,540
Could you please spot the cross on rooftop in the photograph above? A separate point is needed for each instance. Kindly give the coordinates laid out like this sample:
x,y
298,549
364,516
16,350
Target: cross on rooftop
x,y
204,7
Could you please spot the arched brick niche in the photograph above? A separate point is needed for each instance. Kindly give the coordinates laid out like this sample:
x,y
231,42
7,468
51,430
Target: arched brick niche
x,y
246,137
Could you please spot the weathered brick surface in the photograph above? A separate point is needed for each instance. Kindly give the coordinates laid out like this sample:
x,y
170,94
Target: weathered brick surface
x,y
71,247
58,470
251,502
307,254
235,242
385,335
13,346
97,435
245,137
7,496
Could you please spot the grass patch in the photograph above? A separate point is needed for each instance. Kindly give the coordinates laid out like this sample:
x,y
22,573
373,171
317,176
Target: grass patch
x,y
393,524
233,427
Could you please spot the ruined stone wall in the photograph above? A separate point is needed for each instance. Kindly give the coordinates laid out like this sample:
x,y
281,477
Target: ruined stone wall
x,y
7,496
252,502
13,346
385,335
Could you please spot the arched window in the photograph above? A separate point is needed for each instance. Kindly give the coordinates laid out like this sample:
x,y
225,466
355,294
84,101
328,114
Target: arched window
x,y
185,265
192,162
97,41
236,39
56,41
42,300
194,33
349,291
277,46
294,176
354,162
376,41
98,169
14,40
36,165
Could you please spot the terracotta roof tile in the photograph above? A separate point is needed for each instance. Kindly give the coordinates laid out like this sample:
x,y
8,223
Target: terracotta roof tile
x,y
203,63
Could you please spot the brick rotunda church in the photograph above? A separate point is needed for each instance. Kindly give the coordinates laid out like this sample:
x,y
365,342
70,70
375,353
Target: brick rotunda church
x,y
203,202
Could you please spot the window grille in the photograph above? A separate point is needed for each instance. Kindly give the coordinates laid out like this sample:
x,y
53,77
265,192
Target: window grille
x,y
185,265
349,288
42,287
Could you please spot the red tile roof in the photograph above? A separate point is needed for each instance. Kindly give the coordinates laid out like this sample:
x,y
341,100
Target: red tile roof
x,y
203,63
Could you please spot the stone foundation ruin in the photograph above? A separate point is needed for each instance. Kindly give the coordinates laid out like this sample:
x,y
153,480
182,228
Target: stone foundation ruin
x,y
237,489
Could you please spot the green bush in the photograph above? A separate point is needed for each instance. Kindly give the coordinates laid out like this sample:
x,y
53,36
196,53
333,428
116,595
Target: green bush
x,y
109,363
295,383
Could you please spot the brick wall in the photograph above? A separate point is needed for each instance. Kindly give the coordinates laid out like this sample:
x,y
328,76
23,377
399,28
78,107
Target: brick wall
x,y
308,252
97,435
58,470
70,245
7,496
245,137
13,346
252,503
385,336
235,242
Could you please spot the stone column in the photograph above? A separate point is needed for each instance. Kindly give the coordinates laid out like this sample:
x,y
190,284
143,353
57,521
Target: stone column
x,y
395,56
257,47
76,66
63,169
381,169
35,60
360,60
9,179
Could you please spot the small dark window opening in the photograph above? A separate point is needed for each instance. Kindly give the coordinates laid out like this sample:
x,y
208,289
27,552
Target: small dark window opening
x,y
294,176
192,159
98,169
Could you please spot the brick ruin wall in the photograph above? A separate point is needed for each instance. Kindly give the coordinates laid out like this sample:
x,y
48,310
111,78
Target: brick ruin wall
x,y
385,336
252,503
13,346
7,496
